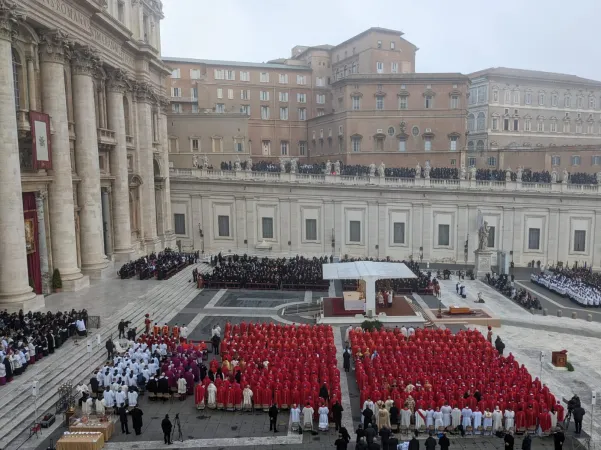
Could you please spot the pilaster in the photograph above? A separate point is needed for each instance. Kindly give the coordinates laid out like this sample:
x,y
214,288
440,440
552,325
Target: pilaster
x,y
40,197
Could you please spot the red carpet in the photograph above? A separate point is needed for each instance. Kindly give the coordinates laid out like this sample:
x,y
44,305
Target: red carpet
x,y
334,306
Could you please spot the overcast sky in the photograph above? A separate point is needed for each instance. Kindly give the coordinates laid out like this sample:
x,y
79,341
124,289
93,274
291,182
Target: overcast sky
x,y
452,35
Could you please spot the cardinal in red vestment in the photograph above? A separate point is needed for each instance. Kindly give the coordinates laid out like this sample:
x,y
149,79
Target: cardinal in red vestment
x,y
199,396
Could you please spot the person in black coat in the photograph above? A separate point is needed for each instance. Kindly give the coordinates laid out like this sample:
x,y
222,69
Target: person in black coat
x,y
444,442
499,345
110,348
94,384
123,419
341,443
509,441
136,419
558,438
370,434
578,414
394,417
166,427
527,442
346,356
337,414
360,433
323,392
368,415
345,434
385,436
430,443
273,418
414,443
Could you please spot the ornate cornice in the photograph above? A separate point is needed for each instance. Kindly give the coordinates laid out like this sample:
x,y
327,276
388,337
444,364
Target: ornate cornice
x,y
118,81
55,46
403,93
164,104
144,92
9,16
85,61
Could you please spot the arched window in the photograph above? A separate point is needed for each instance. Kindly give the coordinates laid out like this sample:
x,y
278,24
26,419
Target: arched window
x,y
480,145
470,122
126,115
17,68
481,122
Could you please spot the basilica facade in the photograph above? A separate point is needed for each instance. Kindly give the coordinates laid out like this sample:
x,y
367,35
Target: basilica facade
x,y
84,179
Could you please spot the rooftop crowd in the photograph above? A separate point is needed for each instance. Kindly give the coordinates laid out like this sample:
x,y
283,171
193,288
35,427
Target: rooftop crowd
x,y
248,271
579,284
28,337
160,266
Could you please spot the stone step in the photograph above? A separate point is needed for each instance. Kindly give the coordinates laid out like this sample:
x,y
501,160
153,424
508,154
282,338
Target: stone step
x,y
16,407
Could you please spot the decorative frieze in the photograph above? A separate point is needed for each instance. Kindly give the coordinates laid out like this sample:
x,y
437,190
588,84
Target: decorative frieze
x,y
55,46
85,61
118,81
144,92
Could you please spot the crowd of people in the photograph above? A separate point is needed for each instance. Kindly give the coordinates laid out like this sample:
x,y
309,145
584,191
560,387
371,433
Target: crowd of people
x,y
244,271
160,266
423,282
581,285
27,338
402,382
583,178
506,286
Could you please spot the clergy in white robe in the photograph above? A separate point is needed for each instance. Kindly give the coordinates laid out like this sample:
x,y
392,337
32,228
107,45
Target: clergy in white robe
x,y
553,416
487,419
308,412
132,398
247,398
420,419
446,415
455,417
347,334
388,404
438,419
324,423
212,396
405,417
477,415
466,418
100,407
109,398
295,416
181,386
86,407
368,404
497,420
509,419
429,418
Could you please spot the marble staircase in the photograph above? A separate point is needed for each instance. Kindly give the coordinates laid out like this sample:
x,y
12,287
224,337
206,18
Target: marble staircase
x,y
73,362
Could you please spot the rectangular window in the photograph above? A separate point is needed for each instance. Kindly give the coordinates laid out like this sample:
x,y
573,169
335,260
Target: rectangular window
x,y
555,160
302,113
354,231
319,81
454,102
596,160
356,142
554,100
453,162
453,143
528,98
391,45
219,74
379,67
311,229
264,96
283,78
195,108
179,223
265,112
394,67
267,227
176,107
223,226
320,99
245,109
380,102
492,161
176,73
194,93
444,238
495,123
195,74
239,147
553,127
301,80
283,96
245,94
516,124
195,144
471,162
220,107
428,101
403,102
579,240
356,103
266,147
491,238
505,124
402,145
302,148
379,44
264,77
533,238
244,76
301,97
398,233
284,113
321,112
541,99
527,125
516,98
230,75
427,144
540,126
230,94
219,93
284,148
176,92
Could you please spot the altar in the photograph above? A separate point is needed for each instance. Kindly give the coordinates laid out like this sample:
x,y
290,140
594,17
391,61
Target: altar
x,y
353,301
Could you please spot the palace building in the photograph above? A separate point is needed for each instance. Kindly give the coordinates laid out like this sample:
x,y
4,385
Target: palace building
x,y
84,179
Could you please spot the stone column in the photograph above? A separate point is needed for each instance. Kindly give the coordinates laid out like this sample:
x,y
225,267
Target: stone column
x,y
33,103
93,260
106,222
55,52
146,99
14,283
42,245
117,86
164,139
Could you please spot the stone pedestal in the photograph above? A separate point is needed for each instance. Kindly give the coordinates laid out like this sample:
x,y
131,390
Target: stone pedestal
x,y
483,263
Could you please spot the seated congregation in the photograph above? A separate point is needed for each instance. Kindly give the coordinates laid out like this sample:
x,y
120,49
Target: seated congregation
x,y
403,383
161,266
581,285
251,272
27,338
506,286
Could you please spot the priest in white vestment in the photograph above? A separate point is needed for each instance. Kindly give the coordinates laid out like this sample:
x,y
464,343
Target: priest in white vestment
x,y
466,418
509,419
497,420
455,417
553,416
247,398
212,396
438,420
368,404
308,412
132,399
420,419
477,415
446,415
324,423
487,419
100,407
181,385
295,416
405,417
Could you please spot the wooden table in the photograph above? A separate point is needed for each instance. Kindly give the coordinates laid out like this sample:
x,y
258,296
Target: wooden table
x,y
106,428
80,442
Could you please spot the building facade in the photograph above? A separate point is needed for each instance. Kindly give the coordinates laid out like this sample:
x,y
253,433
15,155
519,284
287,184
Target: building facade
x,y
285,214
84,174
516,116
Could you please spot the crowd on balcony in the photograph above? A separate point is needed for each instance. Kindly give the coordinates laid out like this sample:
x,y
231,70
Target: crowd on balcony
x,y
160,266
26,338
244,271
579,284
583,178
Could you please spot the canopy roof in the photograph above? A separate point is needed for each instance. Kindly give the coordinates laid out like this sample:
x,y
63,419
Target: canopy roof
x,y
366,269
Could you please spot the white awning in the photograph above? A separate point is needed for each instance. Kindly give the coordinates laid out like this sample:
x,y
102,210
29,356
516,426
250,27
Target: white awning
x,y
366,269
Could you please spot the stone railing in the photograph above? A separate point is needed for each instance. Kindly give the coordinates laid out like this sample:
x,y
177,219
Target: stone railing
x,y
106,139
391,182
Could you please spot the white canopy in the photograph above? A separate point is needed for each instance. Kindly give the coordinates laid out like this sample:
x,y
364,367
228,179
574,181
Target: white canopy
x,y
366,269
